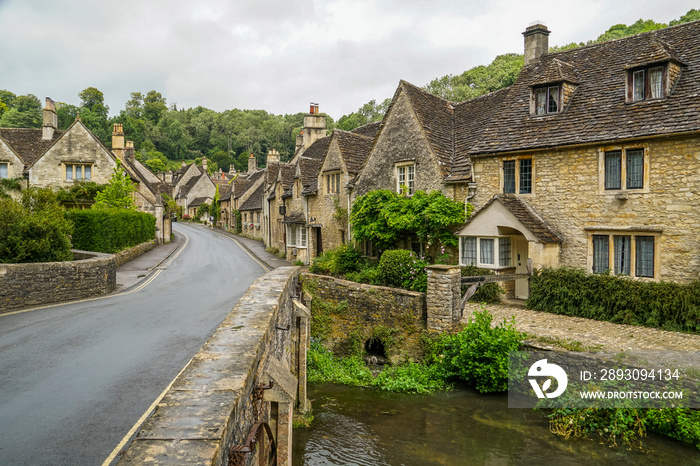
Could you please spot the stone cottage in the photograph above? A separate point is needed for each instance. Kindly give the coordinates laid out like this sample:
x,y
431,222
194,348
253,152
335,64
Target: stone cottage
x,y
591,159
192,187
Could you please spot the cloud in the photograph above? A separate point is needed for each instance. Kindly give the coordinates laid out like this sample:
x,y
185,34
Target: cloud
x,y
276,55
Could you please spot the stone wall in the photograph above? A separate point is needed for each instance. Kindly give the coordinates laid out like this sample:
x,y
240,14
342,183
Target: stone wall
x,y
363,312
26,285
211,405
122,257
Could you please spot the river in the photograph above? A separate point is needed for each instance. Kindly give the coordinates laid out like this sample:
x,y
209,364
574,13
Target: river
x,y
361,426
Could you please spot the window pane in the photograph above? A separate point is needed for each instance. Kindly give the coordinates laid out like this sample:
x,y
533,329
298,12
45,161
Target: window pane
x,y
69,172
302,236
410,176
638,85
401,177
644,260
525,176
88,172
601,251
635,169
613,169
540,101
655,82
504,251
486,246
468,250
623,254
291,235
553,106
509,176
3,170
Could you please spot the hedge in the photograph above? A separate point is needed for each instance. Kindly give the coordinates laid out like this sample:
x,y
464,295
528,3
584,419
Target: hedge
x,y
110,230
573,292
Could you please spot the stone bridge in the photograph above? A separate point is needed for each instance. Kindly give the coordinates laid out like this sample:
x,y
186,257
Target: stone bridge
x,y
246,381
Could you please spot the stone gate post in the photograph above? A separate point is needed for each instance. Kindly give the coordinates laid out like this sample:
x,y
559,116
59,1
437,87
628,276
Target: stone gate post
x,y
443,297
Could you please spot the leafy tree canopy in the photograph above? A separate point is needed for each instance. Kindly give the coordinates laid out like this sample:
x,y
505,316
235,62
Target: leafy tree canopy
x,y
118,194
384,217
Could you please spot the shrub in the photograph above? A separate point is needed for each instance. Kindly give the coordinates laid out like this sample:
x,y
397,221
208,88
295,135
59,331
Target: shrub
x,y
347,259
369,275
110,230
401,268
574,292
323,264
34,229
479,353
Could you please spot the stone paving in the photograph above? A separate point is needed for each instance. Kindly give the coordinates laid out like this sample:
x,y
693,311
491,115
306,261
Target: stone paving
x,y
552,331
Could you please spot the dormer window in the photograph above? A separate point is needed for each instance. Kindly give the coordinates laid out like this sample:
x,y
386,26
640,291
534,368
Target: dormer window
x,y
646,83
547,100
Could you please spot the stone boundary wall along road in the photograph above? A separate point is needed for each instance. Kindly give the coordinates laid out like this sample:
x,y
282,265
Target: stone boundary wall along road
x,y
212,405
25,285
88,274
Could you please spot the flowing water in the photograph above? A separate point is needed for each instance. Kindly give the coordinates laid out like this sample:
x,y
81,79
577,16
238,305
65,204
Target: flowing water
x,y
359,426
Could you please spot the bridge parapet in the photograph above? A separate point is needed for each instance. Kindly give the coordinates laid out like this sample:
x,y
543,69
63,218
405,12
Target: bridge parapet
x,y
251,371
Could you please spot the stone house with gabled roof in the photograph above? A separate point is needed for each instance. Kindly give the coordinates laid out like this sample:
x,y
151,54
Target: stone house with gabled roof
x,y
49,157
591,159
192,187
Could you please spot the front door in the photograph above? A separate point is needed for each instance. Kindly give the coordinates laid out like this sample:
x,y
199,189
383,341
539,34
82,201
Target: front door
x,y
319,242
521,256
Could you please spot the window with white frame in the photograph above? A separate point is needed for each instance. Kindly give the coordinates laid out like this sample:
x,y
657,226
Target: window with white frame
x,y
405,178
517,176
4,170
486,252
624,169
78,171
624,254
296,235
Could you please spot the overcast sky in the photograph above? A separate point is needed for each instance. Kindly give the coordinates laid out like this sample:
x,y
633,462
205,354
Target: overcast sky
x,y
278,55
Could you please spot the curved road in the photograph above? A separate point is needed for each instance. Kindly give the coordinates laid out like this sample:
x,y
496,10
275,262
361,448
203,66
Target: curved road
x,y
76,377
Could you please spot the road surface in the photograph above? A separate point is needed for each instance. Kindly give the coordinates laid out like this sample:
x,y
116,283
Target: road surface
x,y
76,377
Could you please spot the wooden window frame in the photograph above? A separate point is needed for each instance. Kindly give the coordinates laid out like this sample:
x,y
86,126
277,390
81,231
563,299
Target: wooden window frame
x,y
627,183
647,90
546,91
518,186
408,168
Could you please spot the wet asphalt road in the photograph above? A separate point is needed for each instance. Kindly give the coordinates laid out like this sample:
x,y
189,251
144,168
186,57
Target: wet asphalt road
x,y
74,378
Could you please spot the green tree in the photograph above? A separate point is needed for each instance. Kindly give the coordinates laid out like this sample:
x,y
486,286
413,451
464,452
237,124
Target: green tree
x,y
154,106
383,217
94,113
368,113
118,194
66,114
691,15
23,112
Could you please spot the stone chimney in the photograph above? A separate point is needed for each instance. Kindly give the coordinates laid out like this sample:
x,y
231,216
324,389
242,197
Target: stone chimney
x,y
118,141
129,150
314,126
183,164
252,163
536,42
168,177
232,169
50,120
204,165
273,156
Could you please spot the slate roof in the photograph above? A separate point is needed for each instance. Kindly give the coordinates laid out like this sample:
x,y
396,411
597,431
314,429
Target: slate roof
x,y
225,192
254,202
354,149
309,174
525,214
295,217
317,150
288,172
198,201
272,170
369,130
27,143
597,111
436,116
